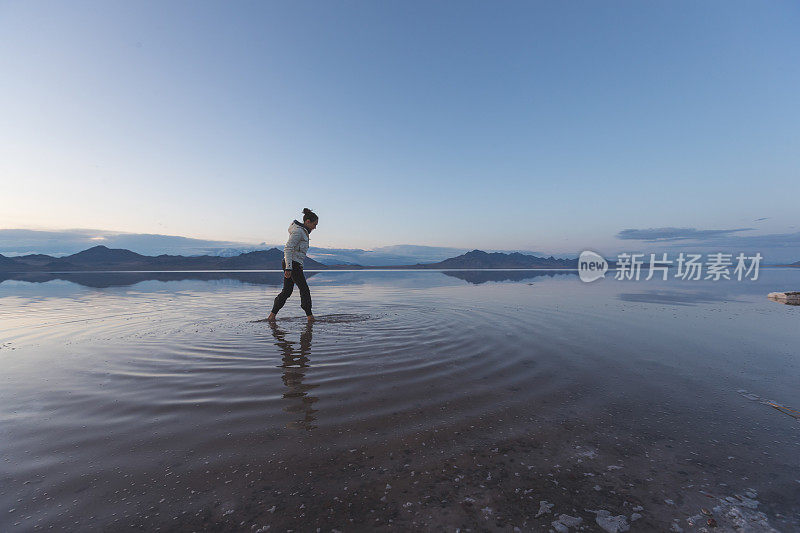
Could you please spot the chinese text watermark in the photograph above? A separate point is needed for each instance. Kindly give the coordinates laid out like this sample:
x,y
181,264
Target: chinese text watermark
x,y
686,266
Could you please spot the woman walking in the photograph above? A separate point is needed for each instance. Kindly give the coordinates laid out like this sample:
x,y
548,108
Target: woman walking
x,y
293,254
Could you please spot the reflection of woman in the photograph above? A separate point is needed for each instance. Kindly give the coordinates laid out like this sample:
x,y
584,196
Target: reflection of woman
x,y
295,364
293,254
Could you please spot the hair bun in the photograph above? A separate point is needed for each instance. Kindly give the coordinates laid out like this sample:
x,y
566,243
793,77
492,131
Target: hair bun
x,y
308,214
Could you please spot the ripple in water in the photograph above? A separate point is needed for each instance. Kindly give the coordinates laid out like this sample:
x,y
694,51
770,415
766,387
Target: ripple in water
x,y
129,408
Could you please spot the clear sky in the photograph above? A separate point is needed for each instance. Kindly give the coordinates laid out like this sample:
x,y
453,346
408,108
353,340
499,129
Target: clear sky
x,y
531,125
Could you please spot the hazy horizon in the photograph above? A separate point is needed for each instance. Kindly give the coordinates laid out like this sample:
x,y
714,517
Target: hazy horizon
x,y
780,249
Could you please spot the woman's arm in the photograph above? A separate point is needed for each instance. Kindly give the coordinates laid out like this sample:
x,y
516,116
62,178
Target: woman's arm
x,y
289,249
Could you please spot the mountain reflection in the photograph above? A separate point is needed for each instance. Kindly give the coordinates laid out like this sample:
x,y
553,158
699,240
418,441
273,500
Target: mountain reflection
x,y
295,364
101,280
477,277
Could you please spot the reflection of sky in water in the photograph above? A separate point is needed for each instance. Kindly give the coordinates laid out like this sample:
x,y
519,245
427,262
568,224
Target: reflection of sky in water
x,y
14,284
115,367
674,297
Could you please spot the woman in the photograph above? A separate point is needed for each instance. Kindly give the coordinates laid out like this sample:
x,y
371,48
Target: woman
x,y
293,254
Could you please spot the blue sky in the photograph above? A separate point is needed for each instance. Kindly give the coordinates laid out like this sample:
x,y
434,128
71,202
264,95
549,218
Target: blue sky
x,y
552,126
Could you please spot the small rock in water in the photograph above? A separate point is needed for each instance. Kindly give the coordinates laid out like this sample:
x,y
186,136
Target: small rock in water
x,y
544,508
791,297
611,524
749,503
570,521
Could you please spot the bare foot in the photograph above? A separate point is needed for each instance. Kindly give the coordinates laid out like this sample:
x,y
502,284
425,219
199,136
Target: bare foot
x,y
310,318
271,317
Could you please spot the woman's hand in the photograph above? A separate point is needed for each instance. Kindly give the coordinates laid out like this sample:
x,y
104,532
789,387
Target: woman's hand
x,y
287,274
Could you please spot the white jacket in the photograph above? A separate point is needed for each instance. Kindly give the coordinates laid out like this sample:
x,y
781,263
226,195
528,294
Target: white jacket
x,y
297,245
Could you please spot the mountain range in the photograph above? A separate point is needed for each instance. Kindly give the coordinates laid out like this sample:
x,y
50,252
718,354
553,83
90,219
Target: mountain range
x,y
19,242
481,259
102,258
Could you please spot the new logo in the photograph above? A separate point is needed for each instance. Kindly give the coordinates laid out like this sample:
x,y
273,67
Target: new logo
x,y
591,266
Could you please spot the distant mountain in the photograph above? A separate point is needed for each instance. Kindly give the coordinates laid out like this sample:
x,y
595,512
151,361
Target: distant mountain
x,y
401,255
101,258
481,259
34,260
21,242
383,256
6,262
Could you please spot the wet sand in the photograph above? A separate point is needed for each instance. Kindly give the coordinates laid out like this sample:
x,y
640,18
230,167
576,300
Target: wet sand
x,y
415,401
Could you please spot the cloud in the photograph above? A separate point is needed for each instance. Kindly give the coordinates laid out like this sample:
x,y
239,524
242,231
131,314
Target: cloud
x,y
775,247
676,234
24,241
760,219
772,240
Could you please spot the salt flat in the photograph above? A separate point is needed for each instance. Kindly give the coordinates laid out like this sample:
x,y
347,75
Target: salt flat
x,y
417,400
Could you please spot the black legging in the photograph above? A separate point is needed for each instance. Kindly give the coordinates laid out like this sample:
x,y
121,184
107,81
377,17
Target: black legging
x,y
288,286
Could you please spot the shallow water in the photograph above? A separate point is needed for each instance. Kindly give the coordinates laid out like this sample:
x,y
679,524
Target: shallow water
x,y
418,399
